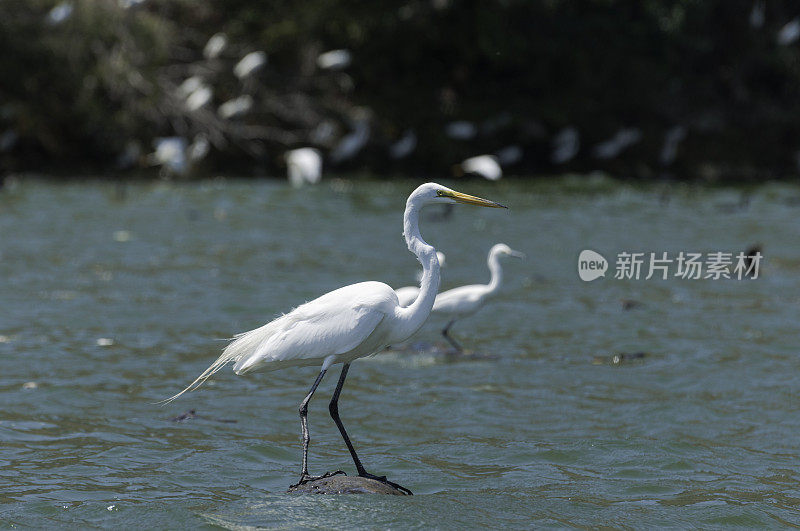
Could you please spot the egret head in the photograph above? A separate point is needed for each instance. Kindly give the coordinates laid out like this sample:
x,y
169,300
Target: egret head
x,y
501,249
436,193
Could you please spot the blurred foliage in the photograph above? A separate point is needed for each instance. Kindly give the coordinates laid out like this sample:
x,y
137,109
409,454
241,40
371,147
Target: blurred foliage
x,y
93,91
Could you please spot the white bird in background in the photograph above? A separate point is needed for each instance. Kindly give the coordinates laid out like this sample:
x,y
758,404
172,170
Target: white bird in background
x,y
461,130
789,33
408,294
622,139
484,165
236,107
334,60
189,85
170,153
349,323
405,146
59,13
199,98
215,46
199,148
250,64
176,156
354,141
195,92
303,166
463,301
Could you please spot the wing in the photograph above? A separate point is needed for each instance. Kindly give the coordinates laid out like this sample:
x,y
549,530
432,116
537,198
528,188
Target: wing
x,y
461,299
336,323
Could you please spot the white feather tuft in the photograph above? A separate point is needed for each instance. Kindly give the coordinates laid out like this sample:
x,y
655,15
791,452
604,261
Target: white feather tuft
x,y
240,347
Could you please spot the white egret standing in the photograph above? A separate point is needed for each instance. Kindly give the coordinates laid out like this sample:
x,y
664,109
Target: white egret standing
x,y
463,301
303,166
349,323
408,294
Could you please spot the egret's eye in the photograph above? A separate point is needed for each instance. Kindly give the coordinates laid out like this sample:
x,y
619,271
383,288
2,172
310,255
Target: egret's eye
x,y
440,193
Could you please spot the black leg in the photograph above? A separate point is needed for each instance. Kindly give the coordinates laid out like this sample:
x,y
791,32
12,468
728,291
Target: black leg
x,y
450,339
304,477
333,408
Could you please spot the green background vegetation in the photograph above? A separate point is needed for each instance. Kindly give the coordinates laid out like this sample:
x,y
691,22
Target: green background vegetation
x,y
75,95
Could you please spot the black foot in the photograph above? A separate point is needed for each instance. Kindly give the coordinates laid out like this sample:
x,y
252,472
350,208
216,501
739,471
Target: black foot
x,y
383,479
305,478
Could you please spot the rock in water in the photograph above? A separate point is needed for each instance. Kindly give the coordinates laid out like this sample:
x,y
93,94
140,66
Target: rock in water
x,y
341,484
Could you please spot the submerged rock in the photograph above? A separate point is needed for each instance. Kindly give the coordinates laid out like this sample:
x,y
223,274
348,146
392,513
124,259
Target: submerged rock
x,y
341,484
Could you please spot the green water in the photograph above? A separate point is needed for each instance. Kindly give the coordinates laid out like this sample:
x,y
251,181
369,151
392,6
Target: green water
x,y
114,298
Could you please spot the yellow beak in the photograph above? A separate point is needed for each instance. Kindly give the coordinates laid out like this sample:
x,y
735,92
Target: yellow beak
x,y
458,197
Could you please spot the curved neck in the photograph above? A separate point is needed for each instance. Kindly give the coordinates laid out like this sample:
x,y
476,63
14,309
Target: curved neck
x,y
497,273
414,316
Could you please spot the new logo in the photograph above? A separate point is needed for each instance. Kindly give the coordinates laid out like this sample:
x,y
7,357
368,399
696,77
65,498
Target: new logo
x,y
591,265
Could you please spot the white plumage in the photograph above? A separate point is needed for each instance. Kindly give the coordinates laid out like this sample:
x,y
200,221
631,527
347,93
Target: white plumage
x,y
303,166
484,165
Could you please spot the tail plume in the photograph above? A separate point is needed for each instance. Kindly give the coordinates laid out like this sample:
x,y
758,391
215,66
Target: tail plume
x,y
242,345
216,366
233,352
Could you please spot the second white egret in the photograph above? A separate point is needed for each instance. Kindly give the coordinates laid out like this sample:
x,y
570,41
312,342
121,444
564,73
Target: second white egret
x,y
464,301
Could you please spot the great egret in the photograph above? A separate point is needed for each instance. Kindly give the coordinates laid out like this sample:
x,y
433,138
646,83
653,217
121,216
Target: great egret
x,y
171,154
249,64
353,142
303,166
59,13
789,33
334,60
199,98
199,148
405,146
463,301
215,46
349,323
408,294
486,166
189,85
236,107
